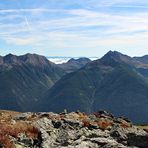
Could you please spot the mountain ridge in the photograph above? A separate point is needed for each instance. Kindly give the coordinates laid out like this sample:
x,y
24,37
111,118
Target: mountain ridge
x,y
27,58
74,64
24,79
89,87
116,82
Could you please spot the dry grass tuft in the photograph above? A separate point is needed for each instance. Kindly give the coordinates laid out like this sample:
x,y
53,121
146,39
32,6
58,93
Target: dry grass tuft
x,y
104,124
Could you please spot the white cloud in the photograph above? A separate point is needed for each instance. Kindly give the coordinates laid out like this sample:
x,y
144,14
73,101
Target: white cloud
x,y
120,3
20,41
24,10
119,29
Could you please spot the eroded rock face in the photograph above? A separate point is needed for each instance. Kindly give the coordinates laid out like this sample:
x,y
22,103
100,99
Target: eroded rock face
x,y
72,130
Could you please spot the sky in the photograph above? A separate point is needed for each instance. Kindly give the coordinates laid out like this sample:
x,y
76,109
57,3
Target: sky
x,y
73,27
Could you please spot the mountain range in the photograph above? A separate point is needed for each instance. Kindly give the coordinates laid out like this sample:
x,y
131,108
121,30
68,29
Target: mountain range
x,y
116,82
61,59
24,80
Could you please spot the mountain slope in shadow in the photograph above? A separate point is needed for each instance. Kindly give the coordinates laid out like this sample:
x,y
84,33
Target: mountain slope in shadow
x,y
113,83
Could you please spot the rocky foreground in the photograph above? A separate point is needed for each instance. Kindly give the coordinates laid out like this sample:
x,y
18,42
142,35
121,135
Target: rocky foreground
x,y
69,130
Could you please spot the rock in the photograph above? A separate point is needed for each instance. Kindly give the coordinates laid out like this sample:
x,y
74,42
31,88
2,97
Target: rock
x,y
132,136
42,115
47,140
102,141
138,140
74,130
92,117
105,114
93,133
43,123
18,146
122,122
24,141
23,116
57,124
86,144
73,122
63,138
115,145
125,119
118,133
13,122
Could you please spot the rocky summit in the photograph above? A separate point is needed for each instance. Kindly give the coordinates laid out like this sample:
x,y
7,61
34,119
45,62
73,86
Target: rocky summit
x,y
69,130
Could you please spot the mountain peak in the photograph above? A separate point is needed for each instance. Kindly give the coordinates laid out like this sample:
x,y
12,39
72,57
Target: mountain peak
x,y
80,60
10,55
111,58
71,60
33,59
10,58
113,54
74,64
83,59
114,57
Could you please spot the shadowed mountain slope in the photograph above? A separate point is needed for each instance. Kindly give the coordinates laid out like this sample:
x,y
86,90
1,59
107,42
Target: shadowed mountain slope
x,y
24,79
113,83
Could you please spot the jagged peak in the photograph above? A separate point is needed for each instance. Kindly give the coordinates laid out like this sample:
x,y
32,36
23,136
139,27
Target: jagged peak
x,y
114,57
113,54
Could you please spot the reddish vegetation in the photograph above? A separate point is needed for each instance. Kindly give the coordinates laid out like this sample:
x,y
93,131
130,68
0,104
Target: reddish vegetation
x,y
5,141
15,131
125,125
82,116
7,129
101,124
104,124
32,132
86,123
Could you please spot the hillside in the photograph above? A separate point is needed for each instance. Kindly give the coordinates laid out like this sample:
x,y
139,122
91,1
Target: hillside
x,y
24,79
114,83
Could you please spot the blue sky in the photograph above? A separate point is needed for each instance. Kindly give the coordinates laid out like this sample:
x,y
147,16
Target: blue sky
x,y
73,27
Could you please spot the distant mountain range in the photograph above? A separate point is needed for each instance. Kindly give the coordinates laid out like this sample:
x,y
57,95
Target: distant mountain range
x,y
116,82
74,64
61,60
